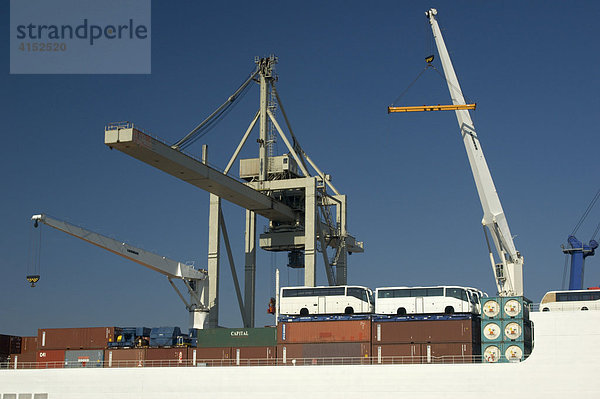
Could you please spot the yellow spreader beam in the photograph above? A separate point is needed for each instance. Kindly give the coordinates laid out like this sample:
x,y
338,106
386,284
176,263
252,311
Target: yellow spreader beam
x,y
438,107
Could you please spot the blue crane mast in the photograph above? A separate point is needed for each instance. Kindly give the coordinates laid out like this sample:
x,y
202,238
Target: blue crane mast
x,y
579,251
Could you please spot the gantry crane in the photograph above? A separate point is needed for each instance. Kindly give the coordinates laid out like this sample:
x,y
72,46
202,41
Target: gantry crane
x,y
195,280
304,218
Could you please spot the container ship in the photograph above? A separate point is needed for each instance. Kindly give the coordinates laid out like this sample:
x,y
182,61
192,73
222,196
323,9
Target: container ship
x,y
318,358
496,347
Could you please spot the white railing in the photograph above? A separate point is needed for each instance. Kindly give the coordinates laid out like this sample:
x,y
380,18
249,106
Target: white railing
x,y
313,361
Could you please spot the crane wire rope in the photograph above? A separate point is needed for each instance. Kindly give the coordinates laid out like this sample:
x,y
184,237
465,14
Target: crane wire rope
x,y
214,121
33,268
586,213
430,65
206,125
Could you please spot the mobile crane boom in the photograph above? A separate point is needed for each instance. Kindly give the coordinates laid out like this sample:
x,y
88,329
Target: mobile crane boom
x,y
508,273
196,281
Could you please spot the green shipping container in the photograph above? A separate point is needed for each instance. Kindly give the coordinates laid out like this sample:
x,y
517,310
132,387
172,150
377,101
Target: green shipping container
x,y
237,337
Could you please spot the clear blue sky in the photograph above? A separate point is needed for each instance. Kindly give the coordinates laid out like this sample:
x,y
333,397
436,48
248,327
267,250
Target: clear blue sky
x,y
530,66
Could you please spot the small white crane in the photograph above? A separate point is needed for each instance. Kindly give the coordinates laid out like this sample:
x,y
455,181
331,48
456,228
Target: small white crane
x,y
196,281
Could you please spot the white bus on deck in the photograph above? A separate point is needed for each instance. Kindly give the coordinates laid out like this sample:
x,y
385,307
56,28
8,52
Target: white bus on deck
x,y
571,300
419,300
346,299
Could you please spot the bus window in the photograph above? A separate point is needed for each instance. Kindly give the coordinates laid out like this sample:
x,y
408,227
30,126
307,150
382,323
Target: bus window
x,y
457,293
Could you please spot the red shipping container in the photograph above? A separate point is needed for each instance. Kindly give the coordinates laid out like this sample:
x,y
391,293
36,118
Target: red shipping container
x,y
423,331
213,356
29,345
396,353
254,355
167,357
51,359
324,331
24,360
76,338
324,353
124,357
446,352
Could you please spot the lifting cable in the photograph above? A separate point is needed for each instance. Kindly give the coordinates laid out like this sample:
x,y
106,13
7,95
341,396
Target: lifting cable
x,y
410,85
35,252
207,124
585,215
429,61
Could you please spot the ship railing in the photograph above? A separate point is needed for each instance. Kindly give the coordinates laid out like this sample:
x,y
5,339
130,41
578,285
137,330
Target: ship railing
x,y
308,361
534,307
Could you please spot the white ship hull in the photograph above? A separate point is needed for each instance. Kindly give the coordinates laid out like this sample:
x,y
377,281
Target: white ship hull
x,y
564,364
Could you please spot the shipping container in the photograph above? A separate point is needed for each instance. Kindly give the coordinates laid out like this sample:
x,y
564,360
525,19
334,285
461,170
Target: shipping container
x,y
84,358
445,352
396,353
324,353
24,360
324,331
9,344
29,345
76,338
212,356
50,359
438,331
254,355
124,357
166,357
236,337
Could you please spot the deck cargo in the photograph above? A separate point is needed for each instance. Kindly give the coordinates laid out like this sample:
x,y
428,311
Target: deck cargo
x,y
50,359
76,338
324,353
403,330
166,357
84,358
9,344
446,352
254,355
236,337
164,336
324,331
124,357
28,356
213,356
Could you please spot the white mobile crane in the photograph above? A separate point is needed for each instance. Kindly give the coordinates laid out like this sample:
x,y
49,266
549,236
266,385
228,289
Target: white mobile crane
x,y
508,272
196,281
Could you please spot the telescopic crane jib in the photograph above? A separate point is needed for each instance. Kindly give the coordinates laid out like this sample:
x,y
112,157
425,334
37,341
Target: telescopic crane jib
x,y
195,281
508,272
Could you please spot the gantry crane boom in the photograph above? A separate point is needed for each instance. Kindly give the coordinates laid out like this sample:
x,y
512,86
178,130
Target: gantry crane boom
x,y
195,280
509,272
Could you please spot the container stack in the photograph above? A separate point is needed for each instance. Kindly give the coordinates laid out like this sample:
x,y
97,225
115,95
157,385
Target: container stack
x,y
506,331
236,346
324,340
73,347
425,339
27,355
9,345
